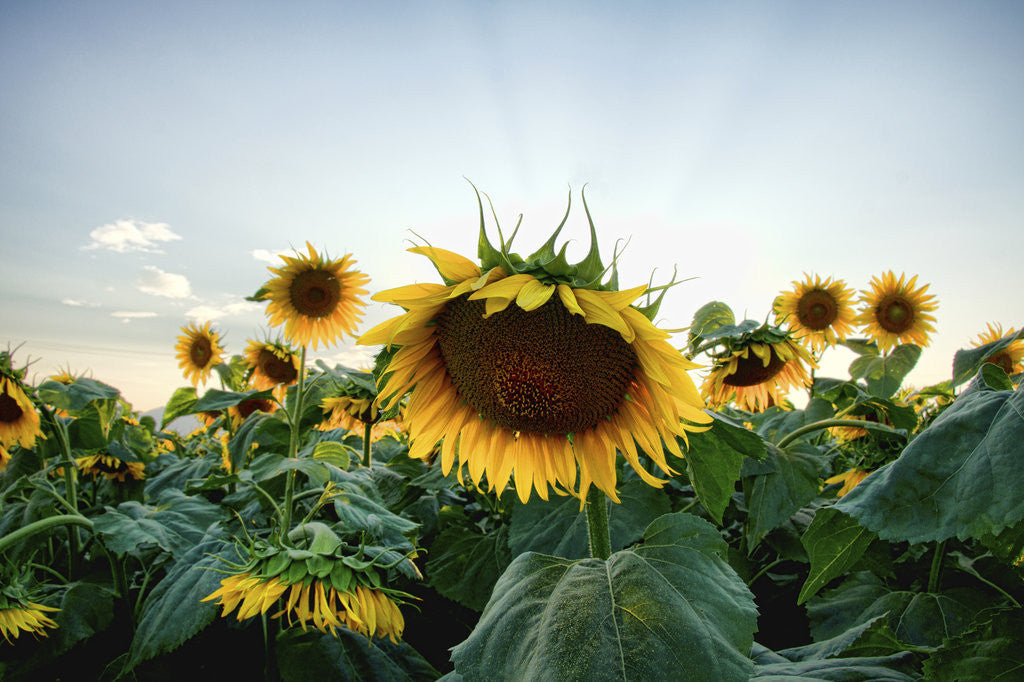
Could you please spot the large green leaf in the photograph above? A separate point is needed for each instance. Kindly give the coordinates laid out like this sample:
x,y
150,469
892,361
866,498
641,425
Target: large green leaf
x,y
671,607
713,462
896,668
174,523
216,399
173,612
834,542
85,609
559,528
177,474
77,394
885,373
466,562
778,486
991,651
347,655
966,363
962,476
182,402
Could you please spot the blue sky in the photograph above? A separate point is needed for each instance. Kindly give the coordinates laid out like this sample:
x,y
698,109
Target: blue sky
x,y
153,154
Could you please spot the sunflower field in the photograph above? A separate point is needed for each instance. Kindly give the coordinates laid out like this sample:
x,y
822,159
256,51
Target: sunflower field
x,y
532,482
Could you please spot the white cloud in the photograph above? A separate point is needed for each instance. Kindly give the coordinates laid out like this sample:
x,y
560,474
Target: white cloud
x,y
207,312
76,303
272,257
124,236
159,283
353,357
127,316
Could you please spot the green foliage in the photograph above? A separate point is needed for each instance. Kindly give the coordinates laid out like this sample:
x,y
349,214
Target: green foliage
x,y
993,650
966,363
834,542
348,656
174,524
778,485
885,373
465,563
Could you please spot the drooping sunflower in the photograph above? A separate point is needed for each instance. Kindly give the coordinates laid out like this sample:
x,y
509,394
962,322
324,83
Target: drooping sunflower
x,y
274,365
533,369
897,311
850,479
240,412
316,298
757,369
5,457
111,467
1009,358
199,350
820,313
19,421
21,615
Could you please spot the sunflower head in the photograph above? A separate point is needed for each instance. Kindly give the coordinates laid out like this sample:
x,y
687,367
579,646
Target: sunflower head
x,y
819,313
19,421
1008,358
315,297
273,365
536,368
111,467
199,350
19,613
897,311
240,412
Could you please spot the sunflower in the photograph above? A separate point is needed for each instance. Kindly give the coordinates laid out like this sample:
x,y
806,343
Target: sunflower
x,y
240,412
19,421
5,457
111,467
273,364
199,350
354,414
22,615
820,313
758,370
533,368
1009,358
850,433
316,298
849,479
896,312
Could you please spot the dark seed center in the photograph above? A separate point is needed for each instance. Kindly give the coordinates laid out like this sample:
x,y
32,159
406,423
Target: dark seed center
x,y
751,370
817,309
895,314
315,293
10,410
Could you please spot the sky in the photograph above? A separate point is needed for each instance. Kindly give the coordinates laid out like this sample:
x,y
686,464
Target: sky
x,y
156,157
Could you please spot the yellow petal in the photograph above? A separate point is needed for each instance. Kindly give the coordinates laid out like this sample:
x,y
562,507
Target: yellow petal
x,y
452,266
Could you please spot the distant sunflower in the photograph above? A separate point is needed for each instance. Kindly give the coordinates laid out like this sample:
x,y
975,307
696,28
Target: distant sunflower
x,y
316,298
757,374
850,433
5,457
896,312
820,313
19,421
850,479
1009,358
199,350
534,369
24,616
273,364
111,467
240,412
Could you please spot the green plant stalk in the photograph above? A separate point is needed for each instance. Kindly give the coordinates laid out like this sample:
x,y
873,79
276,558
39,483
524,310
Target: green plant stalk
x,y
366,444
597,524
41,526
293,446
827,423
936,571
70,482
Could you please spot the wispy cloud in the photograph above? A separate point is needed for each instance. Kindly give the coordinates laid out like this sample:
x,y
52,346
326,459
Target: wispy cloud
x,y
353,357
124,236
127,316
207,312
272,257
159,283
79,304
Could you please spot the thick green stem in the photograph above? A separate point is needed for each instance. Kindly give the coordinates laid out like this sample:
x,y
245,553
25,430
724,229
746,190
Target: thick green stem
x,y
293,446
366,444
597,524
936,572
70,482
41,526
826,423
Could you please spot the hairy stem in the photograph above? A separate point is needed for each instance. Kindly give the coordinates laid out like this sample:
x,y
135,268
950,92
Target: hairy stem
x,y
293,446
597,524
826,423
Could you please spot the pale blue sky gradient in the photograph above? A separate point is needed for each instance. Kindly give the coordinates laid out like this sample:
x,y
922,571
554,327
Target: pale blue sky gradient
x,y
744,142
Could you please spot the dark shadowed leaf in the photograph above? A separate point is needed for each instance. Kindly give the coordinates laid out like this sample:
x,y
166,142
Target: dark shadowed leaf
x,y
465,563
311,655
992,651
791,482
834,542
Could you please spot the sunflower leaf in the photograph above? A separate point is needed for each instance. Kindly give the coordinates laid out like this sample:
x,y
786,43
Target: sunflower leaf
x,y
216,399
465,563
960,477
834,542
85,609
347,655
670,604
173,524
993,650
966,363
707,319
76,395
885,373
775,495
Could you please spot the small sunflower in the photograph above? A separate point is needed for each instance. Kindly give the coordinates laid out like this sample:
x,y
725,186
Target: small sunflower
x,y
20,615
19,421
1009,358
315,298
896,312
534,368
273,364
111,468
850,479
240,412
819,312
199,350
850,433
757,370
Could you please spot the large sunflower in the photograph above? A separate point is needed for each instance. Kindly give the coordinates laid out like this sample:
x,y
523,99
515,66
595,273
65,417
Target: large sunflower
x,y
896,312
820,313
315,297
1009,358
534,369
757,370
273,364
19,421
199,350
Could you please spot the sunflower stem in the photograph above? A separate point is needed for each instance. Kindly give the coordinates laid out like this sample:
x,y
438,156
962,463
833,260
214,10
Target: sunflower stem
x,y
42,525
70,482
826,423
366,444
936,571
597,524
293,446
